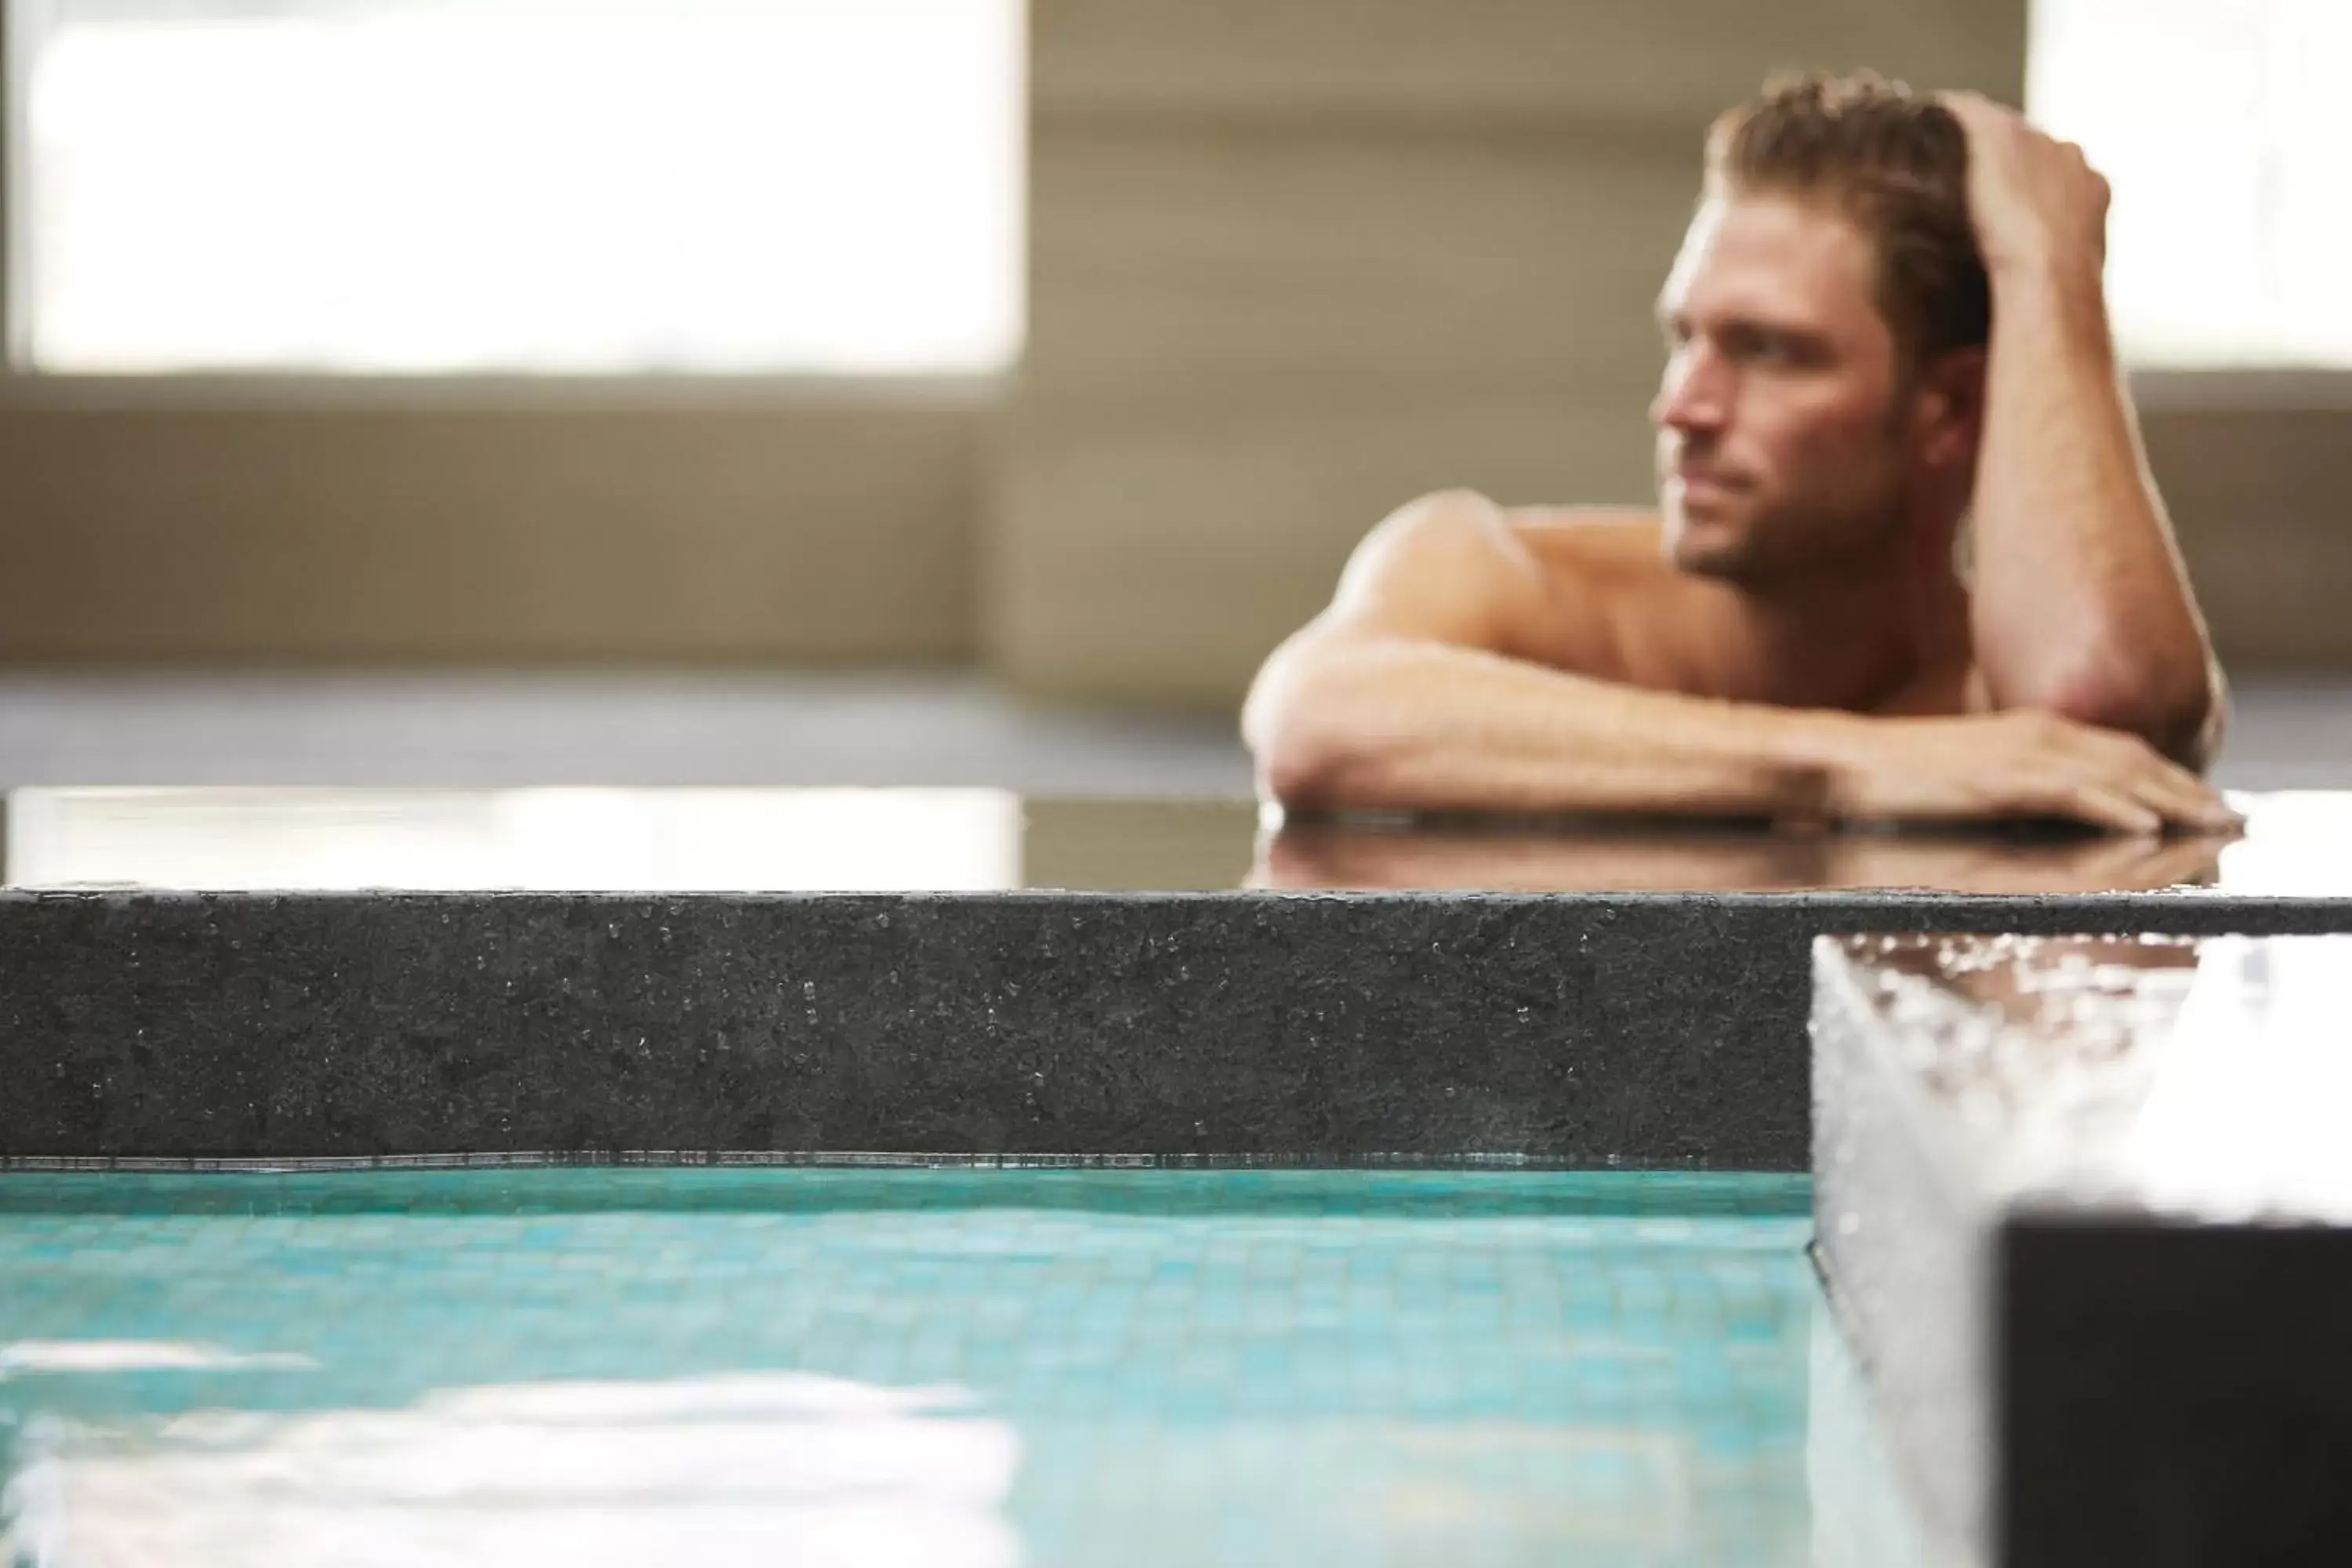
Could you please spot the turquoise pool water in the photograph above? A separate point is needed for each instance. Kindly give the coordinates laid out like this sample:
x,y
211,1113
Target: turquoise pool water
x,y
922,1366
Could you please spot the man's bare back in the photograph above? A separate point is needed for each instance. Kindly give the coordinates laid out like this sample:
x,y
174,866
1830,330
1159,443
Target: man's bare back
x,y
1788,633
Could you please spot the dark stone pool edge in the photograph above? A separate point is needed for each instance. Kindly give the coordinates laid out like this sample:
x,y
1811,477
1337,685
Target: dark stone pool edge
x,y
805,1159
1629,1031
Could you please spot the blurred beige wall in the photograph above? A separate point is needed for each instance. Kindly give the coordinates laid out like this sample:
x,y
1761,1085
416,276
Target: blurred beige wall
x,y
1292,262
2256,471
219,525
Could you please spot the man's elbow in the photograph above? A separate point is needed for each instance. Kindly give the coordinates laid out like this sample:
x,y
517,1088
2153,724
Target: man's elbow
x,y
1300,777
1303,763
1307,754
2178,711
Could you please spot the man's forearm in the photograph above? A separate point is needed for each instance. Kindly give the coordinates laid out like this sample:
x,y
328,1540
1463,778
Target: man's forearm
x,y
1391,723
2080,602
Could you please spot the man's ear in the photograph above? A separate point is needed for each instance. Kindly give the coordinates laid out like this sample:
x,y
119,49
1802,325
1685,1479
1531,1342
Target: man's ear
x,y
1949,408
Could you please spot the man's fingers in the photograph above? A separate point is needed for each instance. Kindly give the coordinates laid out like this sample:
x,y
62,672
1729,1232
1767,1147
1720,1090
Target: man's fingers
x,y
2188,806
1974,110
2180,800
2180,794
2186,799
2156,762
2104,807
2208,812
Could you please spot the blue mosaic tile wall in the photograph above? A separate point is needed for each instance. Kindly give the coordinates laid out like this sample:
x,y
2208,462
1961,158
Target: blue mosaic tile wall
x,y
944,1367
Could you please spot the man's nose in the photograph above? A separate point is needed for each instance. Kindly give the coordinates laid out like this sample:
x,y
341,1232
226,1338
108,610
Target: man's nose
x,y
1695,392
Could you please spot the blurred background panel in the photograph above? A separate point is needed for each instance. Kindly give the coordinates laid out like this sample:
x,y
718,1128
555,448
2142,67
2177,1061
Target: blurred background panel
x,y
1008,352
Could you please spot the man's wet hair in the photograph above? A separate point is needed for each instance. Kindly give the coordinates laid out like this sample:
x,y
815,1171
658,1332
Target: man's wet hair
x,y
1895,164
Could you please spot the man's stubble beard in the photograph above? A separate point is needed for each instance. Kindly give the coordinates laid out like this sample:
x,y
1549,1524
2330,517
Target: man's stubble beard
x,y
1782,544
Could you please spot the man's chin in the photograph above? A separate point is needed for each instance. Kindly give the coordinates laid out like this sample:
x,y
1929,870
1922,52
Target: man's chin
x,y
1706,545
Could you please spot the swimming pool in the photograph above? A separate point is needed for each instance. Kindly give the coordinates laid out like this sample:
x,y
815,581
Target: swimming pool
x,y
944,1367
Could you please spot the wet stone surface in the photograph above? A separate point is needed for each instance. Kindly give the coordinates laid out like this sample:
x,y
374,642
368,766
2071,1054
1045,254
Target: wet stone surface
x,y
2082,1203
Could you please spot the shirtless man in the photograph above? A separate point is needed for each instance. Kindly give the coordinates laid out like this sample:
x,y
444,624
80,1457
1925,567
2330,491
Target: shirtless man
x,y
1886,317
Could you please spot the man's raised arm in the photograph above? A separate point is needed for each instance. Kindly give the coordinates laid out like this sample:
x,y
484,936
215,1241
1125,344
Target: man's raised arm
x,y
1403,696
2081,605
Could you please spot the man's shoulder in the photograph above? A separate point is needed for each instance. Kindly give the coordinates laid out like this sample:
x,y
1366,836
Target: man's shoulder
x,y
1606,587
1615,546
1630,615
1466,521
1541,583
1587,526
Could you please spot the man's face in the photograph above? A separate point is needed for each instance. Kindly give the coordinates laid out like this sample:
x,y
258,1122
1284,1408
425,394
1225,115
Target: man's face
x,y
1779,448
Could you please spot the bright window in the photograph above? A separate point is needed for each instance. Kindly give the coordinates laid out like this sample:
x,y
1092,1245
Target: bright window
x,y
2222,125
518,186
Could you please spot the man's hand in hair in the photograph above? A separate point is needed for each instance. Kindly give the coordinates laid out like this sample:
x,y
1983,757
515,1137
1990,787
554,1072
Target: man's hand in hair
x,y
2035,200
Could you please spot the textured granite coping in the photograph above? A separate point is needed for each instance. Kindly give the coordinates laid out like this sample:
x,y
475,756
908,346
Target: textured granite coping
x,y
2085,1207
1555,994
